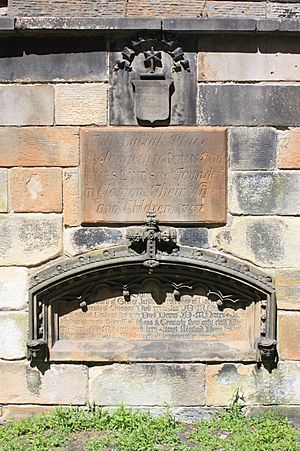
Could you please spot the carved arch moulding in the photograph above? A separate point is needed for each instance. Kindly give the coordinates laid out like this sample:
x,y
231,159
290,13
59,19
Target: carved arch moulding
x,y
152,301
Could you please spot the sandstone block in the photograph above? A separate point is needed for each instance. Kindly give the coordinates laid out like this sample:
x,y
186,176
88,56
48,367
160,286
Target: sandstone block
x,y
10,412
266,105
265,241
39,146
36,190
265,193
79,8
71,199
148,384
289,335
289,149
59,384
80,240
53,59
287,283
288,10
3,191
235,9
13,335
236,66
252,148
256,386
77,104
196,236
196,8
26,105
29,239
184,8
13,288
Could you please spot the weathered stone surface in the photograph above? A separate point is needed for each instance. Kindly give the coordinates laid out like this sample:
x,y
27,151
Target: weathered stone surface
x,y
11,411
29,239
235,9
80,240
148,384
77,104
289,335
150,324
58,384
196,8
48,59
252,148
26,105
278,25
13,288
209,24
66,8
36,190
237,66
281,10
185,8
71,197
3,190
266,241
13,335
88,23
265,193
39,146
266,105
253,386
289,153
287,284
196,236
179,174
6,23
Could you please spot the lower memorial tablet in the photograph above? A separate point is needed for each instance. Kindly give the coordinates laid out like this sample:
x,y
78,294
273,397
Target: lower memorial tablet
x,y
177,173
153,326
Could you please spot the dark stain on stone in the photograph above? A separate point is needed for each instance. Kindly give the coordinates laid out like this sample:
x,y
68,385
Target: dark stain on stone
x,y
194,237
91,238
175,371
265,240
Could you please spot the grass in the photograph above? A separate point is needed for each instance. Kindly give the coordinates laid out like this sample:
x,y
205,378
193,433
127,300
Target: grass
x,y
124,429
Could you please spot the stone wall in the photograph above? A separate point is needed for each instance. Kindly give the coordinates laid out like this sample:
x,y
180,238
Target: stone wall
x,y
53,87
147,8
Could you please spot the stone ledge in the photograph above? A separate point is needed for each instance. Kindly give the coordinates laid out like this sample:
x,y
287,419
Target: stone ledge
x,y
7,23
282,25
72,23
209,24
201,25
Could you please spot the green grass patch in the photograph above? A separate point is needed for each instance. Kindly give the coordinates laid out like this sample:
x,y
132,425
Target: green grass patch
x,y
125,429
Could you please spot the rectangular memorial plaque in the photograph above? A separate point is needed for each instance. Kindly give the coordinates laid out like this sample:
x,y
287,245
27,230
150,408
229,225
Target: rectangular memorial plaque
x,y
177,173
148,328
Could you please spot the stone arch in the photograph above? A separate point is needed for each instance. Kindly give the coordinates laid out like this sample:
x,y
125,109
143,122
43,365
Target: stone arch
x,y
233,291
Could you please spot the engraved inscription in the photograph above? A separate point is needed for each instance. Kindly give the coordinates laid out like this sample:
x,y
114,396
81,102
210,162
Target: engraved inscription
x,y
143,318
179,174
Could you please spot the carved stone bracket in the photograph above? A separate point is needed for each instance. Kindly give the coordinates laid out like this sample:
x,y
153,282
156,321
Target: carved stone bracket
x,y
151,240
37,350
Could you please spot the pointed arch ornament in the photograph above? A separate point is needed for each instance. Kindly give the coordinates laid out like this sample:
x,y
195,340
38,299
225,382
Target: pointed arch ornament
x,y
152,300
